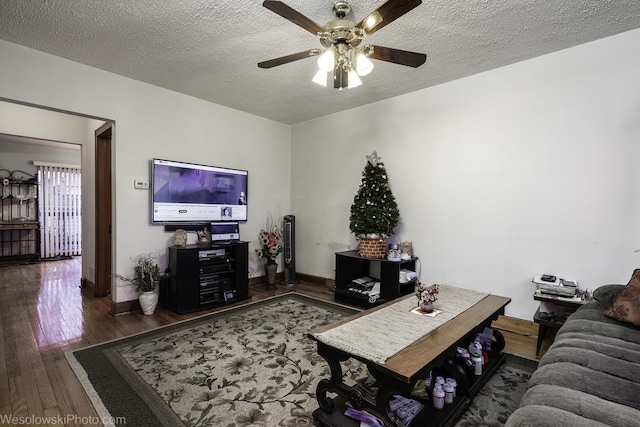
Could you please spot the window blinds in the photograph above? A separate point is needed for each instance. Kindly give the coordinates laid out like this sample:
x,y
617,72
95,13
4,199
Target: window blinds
x,y
60,213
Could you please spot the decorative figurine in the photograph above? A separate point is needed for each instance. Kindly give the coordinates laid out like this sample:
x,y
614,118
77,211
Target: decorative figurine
x,y
407,250
180,238
202,237
394,253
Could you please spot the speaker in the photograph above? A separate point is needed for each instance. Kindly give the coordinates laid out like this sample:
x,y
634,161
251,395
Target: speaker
x,y
289,231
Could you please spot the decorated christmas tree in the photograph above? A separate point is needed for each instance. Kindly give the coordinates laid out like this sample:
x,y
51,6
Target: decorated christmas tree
x,y
374,212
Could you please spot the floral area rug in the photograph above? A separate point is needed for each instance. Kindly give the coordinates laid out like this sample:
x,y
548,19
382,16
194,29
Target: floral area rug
x,y
501,395
248,366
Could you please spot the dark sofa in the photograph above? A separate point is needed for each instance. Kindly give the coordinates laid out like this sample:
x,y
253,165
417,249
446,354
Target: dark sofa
x,y
590,376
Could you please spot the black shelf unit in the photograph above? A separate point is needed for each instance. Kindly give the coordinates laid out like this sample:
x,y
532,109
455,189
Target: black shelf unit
x,y
202,277
19,225
350,265
428,416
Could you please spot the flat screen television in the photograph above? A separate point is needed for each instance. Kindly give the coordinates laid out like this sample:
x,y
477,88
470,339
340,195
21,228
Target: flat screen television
x,y
189,193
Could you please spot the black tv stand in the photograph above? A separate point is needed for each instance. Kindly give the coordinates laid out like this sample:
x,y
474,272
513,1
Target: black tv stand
x,y
202,277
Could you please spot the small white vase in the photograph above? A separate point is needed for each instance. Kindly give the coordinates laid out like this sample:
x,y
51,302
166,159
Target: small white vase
x,y
427,307
148,302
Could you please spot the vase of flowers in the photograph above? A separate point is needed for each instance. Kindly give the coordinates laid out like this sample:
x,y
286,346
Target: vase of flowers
x,y
146,278
270,245
427,295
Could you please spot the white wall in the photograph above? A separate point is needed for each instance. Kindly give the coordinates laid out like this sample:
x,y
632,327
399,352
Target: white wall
x,y
152,122
503,175
24,120
523,170
14,155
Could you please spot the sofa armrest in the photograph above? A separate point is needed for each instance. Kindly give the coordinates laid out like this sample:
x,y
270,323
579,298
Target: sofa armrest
x,y
607,294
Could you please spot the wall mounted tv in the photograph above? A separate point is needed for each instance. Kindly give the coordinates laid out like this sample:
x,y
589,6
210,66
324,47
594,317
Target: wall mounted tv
x,y
188,193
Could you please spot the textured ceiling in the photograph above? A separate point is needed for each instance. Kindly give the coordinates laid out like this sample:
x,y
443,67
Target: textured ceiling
x,y
209,49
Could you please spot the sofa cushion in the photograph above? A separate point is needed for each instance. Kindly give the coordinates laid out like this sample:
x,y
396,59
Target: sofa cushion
x,y
605,331
584,405
547,416
604,385
626,307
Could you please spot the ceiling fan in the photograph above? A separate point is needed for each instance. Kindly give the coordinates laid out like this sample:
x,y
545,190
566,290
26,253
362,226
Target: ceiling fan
x,y
342,38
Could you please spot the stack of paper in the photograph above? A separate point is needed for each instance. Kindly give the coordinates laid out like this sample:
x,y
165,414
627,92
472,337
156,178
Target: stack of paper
x,y
407,275
561,287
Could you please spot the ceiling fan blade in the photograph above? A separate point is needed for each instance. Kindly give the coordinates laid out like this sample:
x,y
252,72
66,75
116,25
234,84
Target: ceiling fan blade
x,y
387,13
289,58
397,56
293,15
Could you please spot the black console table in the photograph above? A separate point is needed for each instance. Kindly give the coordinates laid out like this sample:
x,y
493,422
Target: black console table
x,y
435,352
202,277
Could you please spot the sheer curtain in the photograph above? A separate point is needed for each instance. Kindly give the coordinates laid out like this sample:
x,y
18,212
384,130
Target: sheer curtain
x,y
60,212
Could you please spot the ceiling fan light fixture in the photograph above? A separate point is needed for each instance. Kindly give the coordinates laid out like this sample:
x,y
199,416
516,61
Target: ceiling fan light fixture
x,y
320,78
353,80
372,20
344,56
363,64
326,61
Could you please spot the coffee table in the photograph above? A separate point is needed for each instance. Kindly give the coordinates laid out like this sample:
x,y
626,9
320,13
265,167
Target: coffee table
x,y
399,373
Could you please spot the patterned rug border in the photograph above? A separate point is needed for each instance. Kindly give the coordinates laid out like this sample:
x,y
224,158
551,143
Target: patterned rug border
x,y
147,406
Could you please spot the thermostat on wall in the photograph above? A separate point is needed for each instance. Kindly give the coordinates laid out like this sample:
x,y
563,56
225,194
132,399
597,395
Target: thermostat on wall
x,y
140,184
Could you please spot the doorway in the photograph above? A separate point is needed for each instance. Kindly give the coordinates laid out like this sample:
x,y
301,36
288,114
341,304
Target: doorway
x,y
50,126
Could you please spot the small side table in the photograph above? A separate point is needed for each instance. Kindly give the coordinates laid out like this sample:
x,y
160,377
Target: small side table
x,y
565,306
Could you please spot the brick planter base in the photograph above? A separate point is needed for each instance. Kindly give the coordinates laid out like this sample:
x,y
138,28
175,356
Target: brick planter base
x,y
373,248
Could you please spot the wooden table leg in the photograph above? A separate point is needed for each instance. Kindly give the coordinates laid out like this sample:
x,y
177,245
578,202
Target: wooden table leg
x,y
357,395
542,331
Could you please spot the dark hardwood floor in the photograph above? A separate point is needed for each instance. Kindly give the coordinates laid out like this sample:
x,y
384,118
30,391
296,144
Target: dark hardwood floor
x,y
44,313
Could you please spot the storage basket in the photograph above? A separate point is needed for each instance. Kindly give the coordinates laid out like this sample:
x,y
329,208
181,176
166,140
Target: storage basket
x,y
373,248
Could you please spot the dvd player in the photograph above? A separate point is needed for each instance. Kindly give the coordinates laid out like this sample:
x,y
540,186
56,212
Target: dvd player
x,y
215,268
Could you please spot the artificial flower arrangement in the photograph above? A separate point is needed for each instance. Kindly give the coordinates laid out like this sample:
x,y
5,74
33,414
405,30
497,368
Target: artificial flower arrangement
x,y
147,273
427,294
270,240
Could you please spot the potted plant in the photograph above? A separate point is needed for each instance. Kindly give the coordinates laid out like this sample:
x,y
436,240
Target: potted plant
x,y
374,212
270,245
146,277
427,295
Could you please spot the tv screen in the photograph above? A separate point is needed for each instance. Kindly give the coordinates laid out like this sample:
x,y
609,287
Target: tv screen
x,y
188,193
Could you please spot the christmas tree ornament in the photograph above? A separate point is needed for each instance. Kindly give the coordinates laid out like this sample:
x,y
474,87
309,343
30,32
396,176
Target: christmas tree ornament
x,y
373,158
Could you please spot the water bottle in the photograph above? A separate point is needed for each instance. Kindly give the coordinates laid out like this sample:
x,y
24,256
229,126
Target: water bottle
x,y
477,363
475,346
439,380
448,393
453,383
438,397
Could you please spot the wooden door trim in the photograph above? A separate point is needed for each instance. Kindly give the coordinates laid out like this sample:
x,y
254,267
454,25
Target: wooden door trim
x,y
103,210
